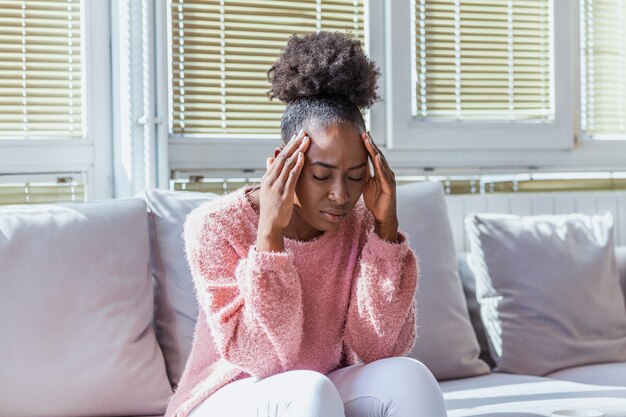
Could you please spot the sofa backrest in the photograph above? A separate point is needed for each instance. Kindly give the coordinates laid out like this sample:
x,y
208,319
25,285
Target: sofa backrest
x,y
587,202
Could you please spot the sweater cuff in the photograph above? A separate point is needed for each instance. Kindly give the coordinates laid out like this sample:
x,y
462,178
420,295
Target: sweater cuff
x,y
277,260
379,248
259,263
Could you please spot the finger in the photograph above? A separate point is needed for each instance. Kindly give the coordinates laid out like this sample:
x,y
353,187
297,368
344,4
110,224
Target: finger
x,y
368,146
374,151
294,160
368,175
385,180
293,143
385,164
368,171
377,149
381,171
305,142
288,151
294,173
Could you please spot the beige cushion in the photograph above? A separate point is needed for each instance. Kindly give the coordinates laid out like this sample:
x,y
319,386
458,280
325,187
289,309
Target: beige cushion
x,y
549,290
176,306
75,309
446,342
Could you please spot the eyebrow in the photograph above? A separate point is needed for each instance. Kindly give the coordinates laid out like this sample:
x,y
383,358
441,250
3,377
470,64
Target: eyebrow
x,y
325,165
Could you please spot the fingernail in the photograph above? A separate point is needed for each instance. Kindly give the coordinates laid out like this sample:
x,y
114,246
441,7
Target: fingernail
x,y
300,132
305,140
369,136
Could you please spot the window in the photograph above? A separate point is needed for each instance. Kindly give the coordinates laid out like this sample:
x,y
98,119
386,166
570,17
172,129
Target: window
x,y
40,91
55,97
482,60
603,70
220,54
33,189
481,75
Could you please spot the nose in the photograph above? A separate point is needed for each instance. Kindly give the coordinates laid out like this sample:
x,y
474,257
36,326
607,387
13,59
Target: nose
x,y
338,194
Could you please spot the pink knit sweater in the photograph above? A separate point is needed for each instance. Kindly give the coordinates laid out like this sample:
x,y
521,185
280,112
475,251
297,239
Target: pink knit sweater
x,y
344,297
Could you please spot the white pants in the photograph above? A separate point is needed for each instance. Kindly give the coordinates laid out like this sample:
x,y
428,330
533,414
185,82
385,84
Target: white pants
x,y
401,387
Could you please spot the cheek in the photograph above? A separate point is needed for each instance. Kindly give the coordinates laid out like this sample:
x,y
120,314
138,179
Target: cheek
x,y
305,190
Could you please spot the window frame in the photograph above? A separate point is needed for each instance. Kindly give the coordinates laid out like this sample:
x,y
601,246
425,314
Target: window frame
x,y
92,154
405,131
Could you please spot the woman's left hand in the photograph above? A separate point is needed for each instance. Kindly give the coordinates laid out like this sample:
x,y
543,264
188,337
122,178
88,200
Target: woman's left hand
x,y
379,193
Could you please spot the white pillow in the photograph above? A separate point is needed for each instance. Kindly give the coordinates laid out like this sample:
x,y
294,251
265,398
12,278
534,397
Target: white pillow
x,y
446,342
176,305
549,290
75,310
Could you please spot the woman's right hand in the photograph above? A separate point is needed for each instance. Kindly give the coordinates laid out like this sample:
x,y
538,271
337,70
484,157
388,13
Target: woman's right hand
x,y
278,188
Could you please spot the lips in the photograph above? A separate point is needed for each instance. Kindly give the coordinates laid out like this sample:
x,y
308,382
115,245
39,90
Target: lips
x,y
330,216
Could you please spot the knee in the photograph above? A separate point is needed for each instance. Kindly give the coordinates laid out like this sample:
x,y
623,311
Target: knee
x,y
317,396
415,388
408,370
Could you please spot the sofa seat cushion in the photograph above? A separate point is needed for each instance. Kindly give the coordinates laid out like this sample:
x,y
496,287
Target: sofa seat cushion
x,y
500,395
600,374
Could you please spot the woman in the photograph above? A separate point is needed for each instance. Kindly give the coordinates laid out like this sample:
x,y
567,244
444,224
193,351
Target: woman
x,y
306,290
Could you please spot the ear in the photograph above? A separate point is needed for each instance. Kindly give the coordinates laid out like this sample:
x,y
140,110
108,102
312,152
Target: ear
x,y
277,151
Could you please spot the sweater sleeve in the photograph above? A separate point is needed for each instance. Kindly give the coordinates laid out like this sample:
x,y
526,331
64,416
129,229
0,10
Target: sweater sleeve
x,y
381,318
253,304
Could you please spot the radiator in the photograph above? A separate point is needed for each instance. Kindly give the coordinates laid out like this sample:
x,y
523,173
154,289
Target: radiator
x,y
460,206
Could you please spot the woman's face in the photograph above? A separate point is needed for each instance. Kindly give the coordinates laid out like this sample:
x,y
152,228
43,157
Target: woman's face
x,y
332,178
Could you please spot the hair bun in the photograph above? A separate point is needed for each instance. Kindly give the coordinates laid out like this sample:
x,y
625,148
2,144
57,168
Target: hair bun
x,y
324,64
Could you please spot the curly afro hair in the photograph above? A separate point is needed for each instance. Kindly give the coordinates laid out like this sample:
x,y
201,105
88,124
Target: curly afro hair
x,y
324,64
324,78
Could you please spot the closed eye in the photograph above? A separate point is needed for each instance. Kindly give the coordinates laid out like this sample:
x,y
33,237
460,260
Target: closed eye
x,y
325,178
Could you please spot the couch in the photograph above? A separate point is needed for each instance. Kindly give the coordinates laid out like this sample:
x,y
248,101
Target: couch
x,y
98,311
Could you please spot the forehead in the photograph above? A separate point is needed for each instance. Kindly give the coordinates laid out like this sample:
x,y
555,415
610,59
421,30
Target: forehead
x,y
336,144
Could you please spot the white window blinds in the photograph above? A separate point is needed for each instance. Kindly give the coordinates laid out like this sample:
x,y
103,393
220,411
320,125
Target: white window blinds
x,y
482,60
221,51
603,71
64,189
40,69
